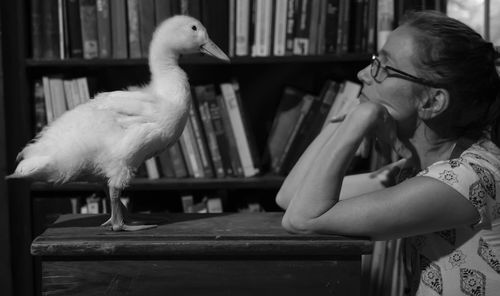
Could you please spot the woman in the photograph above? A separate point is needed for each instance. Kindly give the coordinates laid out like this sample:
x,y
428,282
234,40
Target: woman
x,y
431,93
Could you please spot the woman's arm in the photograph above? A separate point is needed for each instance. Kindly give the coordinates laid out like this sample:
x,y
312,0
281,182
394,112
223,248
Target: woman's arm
x,y
412,207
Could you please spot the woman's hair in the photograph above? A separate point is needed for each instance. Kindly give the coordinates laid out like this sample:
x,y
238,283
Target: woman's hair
x,y
454,56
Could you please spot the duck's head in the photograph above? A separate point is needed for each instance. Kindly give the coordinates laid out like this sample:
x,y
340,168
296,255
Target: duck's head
x,y
182,34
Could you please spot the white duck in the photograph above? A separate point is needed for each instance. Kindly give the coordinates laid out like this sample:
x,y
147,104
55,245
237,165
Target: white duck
x,y
110,136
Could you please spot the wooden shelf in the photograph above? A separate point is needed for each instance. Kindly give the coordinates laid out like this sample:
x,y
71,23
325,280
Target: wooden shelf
x,y
199,60
263,182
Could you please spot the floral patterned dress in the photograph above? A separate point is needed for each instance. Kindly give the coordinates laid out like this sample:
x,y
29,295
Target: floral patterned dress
x,y
463,260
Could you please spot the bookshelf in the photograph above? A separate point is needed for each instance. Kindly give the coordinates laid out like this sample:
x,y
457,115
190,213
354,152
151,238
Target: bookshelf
x,y
262,80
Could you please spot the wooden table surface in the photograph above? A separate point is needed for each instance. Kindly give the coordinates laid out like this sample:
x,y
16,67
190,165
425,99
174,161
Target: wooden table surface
x,y
187,235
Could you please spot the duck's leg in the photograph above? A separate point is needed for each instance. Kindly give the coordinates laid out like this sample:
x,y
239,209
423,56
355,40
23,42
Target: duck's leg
x,y
119,214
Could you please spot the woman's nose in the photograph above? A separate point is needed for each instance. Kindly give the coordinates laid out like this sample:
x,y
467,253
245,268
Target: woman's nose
x,y
364,75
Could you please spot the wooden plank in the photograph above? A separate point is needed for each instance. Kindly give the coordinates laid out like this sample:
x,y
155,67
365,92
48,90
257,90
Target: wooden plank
x,y
178,235
230,277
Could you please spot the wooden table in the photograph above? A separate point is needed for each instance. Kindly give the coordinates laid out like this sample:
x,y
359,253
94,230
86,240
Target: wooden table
x,y
196,254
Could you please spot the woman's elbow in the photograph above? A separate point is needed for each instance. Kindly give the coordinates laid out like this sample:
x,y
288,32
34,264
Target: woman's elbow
x,y
282,200
296,225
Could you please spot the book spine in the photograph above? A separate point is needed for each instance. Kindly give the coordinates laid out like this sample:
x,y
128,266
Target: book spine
x,y
134,41
301,40
74,28
48,100
234,111
152,168
118,29
36,28
280,27
201,142
39,100
308,101
232,28
212,140
234,155
103,28
215,112
62,29
178,160
291,18
385,18
216,20
321,28
88,18
242,27
163,10
314,27
57,96
192,154
331,26
146,25
50,29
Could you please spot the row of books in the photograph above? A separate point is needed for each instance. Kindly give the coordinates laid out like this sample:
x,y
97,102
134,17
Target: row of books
x,y
304,27
123,28
300,118
216,142
54,95
89,29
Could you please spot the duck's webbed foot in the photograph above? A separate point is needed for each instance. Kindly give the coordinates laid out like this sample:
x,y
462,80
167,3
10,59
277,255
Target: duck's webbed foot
x,y
120,219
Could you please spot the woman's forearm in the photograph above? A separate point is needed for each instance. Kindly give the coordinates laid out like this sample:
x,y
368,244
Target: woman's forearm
x,y
296,176
319,188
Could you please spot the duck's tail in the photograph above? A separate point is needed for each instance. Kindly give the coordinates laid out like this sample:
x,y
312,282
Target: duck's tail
x,y
33,168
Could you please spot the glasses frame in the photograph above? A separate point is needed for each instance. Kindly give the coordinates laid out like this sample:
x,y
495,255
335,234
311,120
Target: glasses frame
x,y
376,65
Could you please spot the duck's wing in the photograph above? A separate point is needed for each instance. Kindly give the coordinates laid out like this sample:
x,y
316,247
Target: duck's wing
x,y
127,107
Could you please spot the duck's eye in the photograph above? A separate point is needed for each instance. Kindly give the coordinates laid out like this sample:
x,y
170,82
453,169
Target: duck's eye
x,y
194,28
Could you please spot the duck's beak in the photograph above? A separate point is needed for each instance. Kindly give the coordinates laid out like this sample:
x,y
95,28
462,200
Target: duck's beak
x,y
211,49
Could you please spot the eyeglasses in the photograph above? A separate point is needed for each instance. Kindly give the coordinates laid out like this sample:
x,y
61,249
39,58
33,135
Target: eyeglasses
x,y
380,73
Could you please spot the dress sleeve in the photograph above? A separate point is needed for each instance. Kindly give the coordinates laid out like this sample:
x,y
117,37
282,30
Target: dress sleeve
x,y
473,181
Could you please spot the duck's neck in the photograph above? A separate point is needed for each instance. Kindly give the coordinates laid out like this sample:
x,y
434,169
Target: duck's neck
x,y
166,75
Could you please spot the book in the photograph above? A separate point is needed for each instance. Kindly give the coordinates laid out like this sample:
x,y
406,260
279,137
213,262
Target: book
x,y
88,18
242,27
215,18
263,24
302,27
385,18
280,16
74,29
191,151
39,105
346,97
201,91
291,18
201,142
134,41
312,123
234,110
207,97
119,29
304,109
165,164
50,29
152,168
103,28
162,10
178,161
146,24
57,96
287,114
47,99
234,156
331,26
36,28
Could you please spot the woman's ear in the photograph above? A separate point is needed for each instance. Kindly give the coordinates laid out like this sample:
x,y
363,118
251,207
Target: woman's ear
x,y
435,102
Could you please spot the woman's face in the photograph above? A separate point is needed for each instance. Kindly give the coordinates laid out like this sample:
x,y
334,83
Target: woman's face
x,y
398,95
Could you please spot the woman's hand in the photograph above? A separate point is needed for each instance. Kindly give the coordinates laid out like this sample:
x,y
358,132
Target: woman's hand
x,y
378,124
